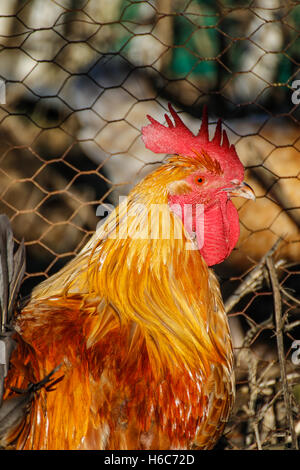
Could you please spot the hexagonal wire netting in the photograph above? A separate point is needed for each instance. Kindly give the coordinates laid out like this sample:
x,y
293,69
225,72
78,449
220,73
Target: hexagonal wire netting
x,y
79,78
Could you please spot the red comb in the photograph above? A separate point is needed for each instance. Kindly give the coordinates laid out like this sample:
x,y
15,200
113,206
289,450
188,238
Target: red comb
x,y
176,138
165,139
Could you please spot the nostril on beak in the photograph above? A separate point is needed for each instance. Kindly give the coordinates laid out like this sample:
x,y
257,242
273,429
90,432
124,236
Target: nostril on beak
x,y
241,190
247,192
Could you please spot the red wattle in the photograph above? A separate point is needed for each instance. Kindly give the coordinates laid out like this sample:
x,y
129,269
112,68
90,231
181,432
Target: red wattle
x,y
221,232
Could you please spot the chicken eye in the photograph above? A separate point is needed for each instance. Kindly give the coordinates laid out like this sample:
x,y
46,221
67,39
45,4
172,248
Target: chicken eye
x,y
199,180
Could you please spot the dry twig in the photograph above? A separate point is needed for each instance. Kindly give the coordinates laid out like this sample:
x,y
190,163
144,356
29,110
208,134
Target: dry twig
x,y
253,280
280,347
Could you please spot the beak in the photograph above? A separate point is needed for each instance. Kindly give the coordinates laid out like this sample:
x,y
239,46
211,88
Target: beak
x,y
242,190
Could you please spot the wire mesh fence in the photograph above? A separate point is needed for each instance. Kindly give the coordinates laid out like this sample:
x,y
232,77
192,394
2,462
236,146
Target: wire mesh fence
x,y
77,81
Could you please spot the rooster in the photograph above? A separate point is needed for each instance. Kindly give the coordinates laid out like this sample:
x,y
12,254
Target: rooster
x,y
128,346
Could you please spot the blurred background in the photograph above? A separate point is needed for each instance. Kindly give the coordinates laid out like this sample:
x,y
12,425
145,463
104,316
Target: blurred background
x,y
80,76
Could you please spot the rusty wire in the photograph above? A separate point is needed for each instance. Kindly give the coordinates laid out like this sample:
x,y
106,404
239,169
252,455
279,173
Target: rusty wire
x,y
80,78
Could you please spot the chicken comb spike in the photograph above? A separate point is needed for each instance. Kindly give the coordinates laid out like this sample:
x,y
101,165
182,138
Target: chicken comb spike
x,y
177,119
203,132
169,122
218,133
225,140
152,120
